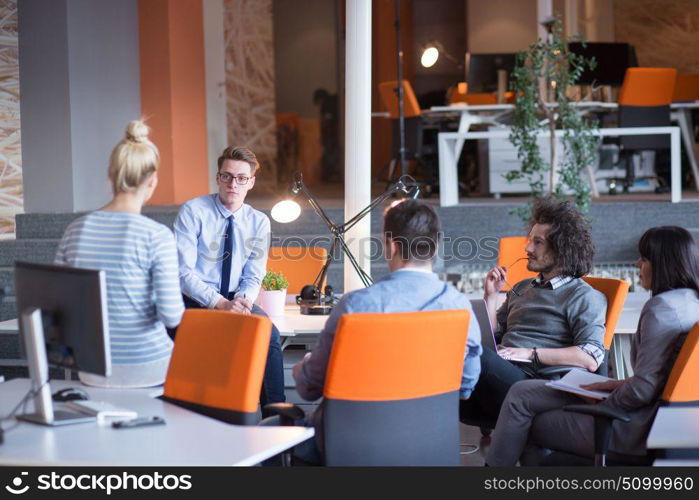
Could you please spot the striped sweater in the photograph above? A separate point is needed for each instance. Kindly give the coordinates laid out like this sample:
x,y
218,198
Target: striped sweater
x,y
139,258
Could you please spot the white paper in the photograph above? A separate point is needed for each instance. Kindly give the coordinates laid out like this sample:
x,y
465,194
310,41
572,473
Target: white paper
x,y
572,381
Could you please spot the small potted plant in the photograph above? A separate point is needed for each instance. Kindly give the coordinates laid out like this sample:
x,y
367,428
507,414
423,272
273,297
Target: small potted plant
x,y
273,293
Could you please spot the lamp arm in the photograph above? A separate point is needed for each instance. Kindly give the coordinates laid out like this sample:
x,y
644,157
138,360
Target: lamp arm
x,y
453,59
300,186
354,220
399,185
339,230
366,279
328,260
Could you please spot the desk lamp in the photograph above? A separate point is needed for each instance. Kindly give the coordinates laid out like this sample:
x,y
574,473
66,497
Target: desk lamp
x,y
312,300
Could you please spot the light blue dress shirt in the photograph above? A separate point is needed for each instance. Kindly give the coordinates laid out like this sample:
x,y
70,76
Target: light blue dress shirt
x,y
405,290
200,231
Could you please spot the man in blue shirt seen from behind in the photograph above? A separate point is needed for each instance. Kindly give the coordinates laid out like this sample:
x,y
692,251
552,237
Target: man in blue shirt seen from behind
x,y
222,245
411,230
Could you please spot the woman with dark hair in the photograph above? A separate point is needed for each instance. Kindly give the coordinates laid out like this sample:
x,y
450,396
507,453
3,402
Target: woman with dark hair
x,y
532,420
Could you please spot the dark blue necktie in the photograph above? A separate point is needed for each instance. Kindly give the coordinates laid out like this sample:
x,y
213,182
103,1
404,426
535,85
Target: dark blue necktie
x,y
227,257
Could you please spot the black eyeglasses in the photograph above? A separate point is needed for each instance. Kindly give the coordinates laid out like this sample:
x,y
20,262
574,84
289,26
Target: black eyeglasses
x,y
241,180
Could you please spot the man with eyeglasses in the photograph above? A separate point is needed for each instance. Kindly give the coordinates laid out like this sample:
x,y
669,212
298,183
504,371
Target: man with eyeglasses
x,y
222,245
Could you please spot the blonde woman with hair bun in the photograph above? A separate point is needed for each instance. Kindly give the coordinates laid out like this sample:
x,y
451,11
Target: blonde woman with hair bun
x,y
133,168
139,258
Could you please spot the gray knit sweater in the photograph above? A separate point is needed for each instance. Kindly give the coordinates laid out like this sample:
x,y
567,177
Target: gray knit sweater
x,y
573,314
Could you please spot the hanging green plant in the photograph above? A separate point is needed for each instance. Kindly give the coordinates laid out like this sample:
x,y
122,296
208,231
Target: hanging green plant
x,y
541,81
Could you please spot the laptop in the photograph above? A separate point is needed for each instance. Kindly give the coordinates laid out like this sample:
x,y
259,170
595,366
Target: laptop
x,y
487,334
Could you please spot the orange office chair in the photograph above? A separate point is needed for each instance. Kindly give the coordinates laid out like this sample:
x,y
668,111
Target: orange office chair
x,y
644,101
511,249
686,88
487,99
218,363
299,265
460,95
389,99
616,292
417,149
681,388
394,402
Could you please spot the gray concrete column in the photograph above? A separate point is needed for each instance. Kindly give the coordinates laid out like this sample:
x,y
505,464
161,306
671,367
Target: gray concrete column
x,y
79,87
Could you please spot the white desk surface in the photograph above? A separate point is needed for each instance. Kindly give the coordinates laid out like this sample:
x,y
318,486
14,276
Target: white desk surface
x,y
187,438
675,428
676,462
628,321
457,108
294,323
9,326
291,324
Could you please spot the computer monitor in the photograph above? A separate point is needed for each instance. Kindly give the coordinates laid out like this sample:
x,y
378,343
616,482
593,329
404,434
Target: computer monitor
x,y
482,70
63,322
612,61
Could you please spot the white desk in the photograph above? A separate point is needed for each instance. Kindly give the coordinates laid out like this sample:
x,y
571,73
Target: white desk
x,y
625,328
628,321
295,327
493,115
187,439
298,328
292,326
448,175
9,327
675,427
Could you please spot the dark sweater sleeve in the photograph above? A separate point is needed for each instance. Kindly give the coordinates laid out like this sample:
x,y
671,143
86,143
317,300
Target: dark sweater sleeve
x,y
587,311
501,317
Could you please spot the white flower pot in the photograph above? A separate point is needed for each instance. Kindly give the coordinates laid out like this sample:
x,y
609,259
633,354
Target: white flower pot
x,y
272,301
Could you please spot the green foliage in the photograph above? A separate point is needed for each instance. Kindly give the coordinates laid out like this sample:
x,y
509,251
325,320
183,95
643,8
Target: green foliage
x,y
550,61
274,281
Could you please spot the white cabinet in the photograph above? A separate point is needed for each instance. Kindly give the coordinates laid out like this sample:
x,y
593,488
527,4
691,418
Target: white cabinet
x,y
502,158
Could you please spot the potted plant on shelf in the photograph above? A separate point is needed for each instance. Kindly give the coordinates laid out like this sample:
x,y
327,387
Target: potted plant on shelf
x,y
542,82
273,293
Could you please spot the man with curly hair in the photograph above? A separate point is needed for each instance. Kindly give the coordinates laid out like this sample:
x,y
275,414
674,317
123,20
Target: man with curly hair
x,y
553,319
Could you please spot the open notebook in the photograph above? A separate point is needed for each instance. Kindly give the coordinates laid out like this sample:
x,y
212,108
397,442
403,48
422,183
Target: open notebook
x,y
572,381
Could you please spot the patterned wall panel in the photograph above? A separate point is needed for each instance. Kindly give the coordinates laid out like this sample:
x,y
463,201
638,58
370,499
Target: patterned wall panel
x,y
10,149
665,32
250,83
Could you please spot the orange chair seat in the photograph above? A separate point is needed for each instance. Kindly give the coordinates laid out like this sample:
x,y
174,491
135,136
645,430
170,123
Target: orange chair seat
x,y
648,87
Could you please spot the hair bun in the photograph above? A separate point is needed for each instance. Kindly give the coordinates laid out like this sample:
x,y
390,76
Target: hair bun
x,y
137,131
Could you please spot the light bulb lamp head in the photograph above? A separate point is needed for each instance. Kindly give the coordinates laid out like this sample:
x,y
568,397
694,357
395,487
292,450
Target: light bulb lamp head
x,y
429,56
431,52
408,186
286,211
